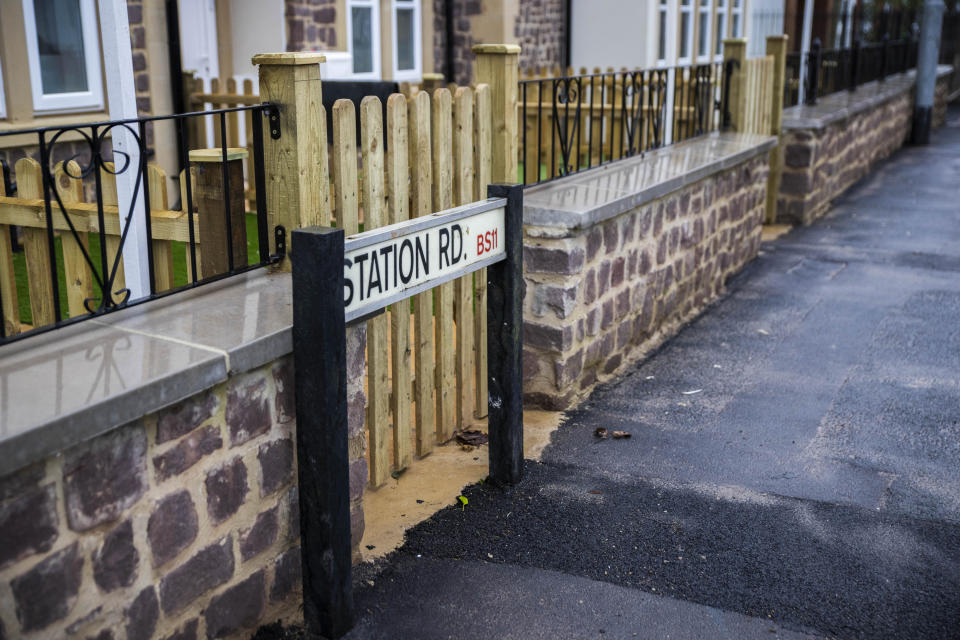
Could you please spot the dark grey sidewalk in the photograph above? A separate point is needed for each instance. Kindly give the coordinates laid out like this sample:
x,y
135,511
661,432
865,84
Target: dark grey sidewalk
x,y
807,482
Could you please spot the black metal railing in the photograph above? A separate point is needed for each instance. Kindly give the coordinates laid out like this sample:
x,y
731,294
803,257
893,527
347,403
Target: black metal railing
x,y
851,48
577,122
93,155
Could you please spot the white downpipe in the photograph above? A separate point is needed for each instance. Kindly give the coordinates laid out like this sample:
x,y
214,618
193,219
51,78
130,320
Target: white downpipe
x,y
122,105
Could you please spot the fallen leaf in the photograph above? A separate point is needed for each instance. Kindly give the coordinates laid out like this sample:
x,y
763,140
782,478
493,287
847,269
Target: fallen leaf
x,y
621,434
600,432
471,437
595,492
690,393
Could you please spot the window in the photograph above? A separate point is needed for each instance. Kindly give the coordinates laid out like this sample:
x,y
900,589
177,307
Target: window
x,y
721,27
703,29
63,54
662,43
686,30
363,26
406,38
736,19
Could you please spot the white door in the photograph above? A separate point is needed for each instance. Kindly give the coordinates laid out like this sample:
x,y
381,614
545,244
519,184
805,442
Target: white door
x,y
198,38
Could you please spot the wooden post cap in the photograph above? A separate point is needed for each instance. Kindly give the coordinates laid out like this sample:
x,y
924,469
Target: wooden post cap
x,y
289,58
432,76
216,154
506,49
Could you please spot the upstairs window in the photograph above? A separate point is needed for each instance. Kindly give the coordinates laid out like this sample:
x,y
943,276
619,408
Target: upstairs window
x,y
406,38
63,55
686,30
736,19
363,25
703,29
662,42
721,27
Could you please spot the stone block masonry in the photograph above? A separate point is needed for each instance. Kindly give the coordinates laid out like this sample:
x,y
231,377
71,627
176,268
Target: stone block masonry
x,y
829,147
602,295
184,523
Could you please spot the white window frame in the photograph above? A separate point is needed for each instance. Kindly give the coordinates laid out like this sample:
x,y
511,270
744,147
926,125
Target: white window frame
x,y
688,10
405,75
663,19
374,6
736,10
74,101
720,30
704,7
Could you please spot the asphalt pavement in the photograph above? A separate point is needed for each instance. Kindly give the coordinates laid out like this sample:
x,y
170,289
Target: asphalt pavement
x,y
792,471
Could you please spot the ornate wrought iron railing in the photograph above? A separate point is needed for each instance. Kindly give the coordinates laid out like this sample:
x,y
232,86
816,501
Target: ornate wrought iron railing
x,y
576,122
74,230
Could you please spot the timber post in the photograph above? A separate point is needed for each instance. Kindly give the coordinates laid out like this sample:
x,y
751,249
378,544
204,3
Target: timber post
x,y
734,64
776,47
295,160
498,65
221,209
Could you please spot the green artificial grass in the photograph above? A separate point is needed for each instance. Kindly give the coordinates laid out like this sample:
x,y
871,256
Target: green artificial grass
x,y
180,252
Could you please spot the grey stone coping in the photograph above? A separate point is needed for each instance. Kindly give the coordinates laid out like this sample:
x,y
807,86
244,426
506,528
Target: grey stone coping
x,y
66,386
585,199
841,105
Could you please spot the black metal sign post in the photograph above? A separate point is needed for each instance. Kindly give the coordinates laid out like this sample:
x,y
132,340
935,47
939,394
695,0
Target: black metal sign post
x,y
330,288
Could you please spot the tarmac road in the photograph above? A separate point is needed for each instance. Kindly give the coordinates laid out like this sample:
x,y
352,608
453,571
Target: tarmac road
x,y
809,488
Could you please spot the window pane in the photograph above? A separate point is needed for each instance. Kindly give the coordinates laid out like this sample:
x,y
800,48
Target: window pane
x,y
704,35
405,38
736,25
362,39
60,45
684,35
662,49
720,33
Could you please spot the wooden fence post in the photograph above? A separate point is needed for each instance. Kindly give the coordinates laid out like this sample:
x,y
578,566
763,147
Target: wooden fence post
x,y
736,49
776,47
295,165
215,201
498,66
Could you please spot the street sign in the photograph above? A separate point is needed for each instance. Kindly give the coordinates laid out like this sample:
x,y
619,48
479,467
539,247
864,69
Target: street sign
x,y
391,263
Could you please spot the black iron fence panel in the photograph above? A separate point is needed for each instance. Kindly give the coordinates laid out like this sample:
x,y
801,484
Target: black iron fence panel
x,y
73,201
578,122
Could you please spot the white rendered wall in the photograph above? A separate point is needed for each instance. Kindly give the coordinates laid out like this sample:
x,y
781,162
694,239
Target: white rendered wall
x,y
613,33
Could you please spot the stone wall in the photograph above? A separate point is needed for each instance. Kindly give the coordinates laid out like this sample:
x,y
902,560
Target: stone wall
x,y
463,12
183,524
540,31
600,298
311,24
821,161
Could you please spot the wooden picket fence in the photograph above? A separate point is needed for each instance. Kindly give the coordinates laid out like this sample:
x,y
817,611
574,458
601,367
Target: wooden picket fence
x,y
27,211
760,95
429,155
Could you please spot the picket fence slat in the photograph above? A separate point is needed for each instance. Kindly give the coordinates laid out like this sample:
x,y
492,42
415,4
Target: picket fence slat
x,y
36,252
375,215
8,280
421,179
162,249
483,168
463,287
398,196
77,274
445,371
